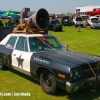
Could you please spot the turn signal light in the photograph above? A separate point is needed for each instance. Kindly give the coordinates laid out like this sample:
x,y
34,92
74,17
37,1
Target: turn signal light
x,y
62,76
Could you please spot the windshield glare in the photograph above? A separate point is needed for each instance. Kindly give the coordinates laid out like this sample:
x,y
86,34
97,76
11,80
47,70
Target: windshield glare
x,y
47,44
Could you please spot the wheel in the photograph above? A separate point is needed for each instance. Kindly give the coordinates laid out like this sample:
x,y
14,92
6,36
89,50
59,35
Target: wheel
x,y
1,65
90,27
82,26
48,83
61,30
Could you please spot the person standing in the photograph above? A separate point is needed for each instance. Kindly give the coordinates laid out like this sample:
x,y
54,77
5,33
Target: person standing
x,y
85,24
1,24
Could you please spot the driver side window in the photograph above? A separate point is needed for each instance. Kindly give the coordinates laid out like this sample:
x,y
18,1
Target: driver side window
x,y
22,44
10,44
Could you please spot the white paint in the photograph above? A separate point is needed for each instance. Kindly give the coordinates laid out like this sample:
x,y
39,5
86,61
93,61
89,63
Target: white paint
x,y
4,41
24,55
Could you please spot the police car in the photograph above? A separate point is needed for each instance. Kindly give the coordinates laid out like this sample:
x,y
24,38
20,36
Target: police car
x,y
44,58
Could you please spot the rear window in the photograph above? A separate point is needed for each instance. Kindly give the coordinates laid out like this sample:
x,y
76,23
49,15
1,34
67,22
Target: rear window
x,y
94,19
65,17
79,19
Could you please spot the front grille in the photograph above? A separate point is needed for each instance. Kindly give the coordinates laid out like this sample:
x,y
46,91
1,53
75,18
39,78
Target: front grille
x,y
89,73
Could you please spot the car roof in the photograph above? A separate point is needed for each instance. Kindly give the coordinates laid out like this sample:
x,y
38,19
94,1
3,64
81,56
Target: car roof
x,y
78,16
28,35
93,17
21,35
65,16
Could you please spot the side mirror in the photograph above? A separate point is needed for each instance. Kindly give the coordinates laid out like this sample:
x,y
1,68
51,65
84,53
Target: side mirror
x,y
66,47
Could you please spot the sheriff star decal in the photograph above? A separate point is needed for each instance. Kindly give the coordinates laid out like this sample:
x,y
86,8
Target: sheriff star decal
x,y
20,61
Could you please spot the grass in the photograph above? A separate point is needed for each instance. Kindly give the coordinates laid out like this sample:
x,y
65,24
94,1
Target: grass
x,y
87,41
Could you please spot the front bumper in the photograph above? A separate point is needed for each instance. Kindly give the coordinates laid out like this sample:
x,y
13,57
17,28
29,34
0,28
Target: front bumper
x,y
58,28
96,27
82,83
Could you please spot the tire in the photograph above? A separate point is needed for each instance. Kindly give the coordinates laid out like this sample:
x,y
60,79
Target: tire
x,y
90,27
48,83
1,65
61,30
82,26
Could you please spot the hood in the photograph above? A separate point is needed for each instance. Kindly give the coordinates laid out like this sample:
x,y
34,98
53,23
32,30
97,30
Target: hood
x,y
70,58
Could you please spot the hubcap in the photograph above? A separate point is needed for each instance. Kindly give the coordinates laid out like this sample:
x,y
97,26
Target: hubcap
x,y
48,81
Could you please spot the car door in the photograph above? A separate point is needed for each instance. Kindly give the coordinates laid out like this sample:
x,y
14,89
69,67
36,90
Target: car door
x,y
21,56
7,51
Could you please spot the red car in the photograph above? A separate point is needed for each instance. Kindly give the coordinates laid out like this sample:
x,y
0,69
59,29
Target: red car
x,y
94,12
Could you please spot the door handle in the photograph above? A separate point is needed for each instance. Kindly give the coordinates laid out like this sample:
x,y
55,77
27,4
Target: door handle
x,y
14,54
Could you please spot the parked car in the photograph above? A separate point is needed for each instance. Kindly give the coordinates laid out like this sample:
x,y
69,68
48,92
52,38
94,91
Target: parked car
x,y
53,18
65,20
78,21
54,25
95,11
44,58
93,22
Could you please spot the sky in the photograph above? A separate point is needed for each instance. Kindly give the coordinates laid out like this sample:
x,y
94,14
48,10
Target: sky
x,y
52,6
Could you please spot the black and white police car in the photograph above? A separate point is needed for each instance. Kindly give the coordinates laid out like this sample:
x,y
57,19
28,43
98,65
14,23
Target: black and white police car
x,y
44,58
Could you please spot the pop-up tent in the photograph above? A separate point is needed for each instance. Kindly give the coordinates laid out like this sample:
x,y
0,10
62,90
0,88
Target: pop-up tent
x,y
9,13
1,11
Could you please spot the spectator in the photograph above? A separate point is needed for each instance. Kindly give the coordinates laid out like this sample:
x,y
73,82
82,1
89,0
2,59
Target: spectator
x,y
78,28
85,24
1,24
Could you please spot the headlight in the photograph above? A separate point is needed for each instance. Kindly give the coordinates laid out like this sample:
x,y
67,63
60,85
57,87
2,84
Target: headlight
x,y
75,74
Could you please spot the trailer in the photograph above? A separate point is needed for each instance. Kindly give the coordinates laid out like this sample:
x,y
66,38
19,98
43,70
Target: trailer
x,y
82,10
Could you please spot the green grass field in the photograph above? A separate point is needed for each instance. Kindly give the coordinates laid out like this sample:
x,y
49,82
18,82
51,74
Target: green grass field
x,y
87,41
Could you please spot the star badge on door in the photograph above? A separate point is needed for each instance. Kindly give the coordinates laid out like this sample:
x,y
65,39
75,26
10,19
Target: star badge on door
x,y
20,61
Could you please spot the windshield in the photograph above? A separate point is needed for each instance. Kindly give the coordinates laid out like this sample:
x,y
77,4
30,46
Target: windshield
x,y
47,44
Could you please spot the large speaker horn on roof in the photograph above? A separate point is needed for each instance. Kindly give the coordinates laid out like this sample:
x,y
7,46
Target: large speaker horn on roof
x,y
33,22
40,19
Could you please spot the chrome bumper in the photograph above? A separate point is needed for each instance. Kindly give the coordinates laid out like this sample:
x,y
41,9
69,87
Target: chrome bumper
x,y
82,83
